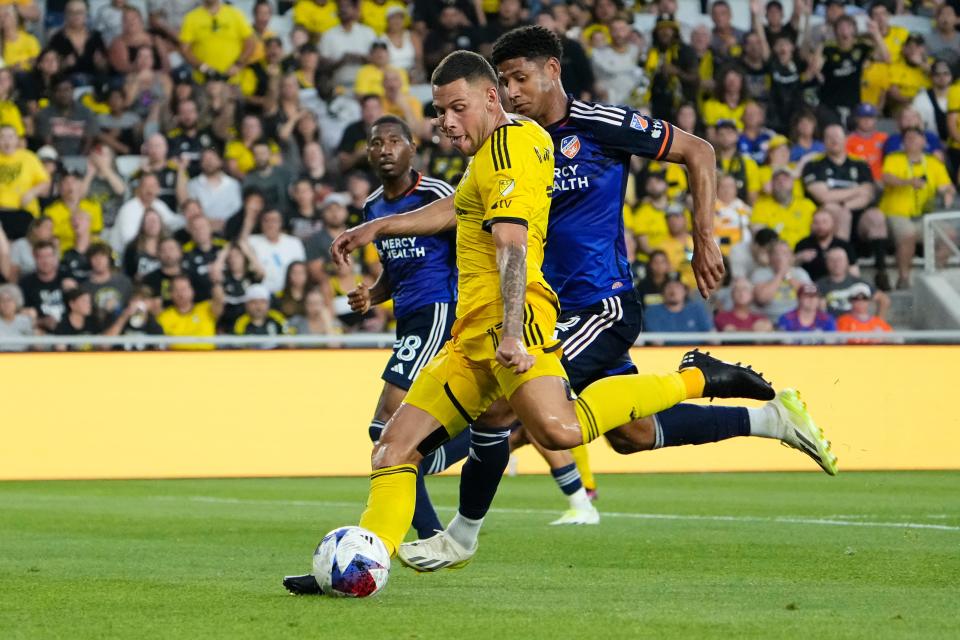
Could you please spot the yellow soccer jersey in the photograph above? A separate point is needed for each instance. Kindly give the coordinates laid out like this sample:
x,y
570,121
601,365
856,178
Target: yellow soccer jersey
x,y
199,321
714,111
792,222
509,179
60,214
315,18
10,115
19,172
911,80
906,201
216,39
19,53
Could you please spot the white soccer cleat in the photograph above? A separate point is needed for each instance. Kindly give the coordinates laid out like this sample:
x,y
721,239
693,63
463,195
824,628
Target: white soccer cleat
x,y
434,553
587,514
800,432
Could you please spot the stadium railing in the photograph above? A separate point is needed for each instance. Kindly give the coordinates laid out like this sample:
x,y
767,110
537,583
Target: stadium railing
x,y
383,340
940,228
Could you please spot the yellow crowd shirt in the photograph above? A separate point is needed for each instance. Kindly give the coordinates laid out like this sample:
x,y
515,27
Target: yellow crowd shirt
x,y
314,17
10,115
791,222
60,214
911,80
370,80
714,111
953,106
199,321
905,201
18,53
374,14
509,179
19,172
216,39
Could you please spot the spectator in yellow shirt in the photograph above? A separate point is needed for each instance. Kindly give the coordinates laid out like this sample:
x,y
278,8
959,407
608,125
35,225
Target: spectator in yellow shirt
x,y
71,200
728,103
22,177
316,16
188,318
9,112
370,76
398,101
909,75
913,182
790,216
678,245
217,40
373,13
20,49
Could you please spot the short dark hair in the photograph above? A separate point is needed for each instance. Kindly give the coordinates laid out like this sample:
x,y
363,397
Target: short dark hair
x,y
394,120
74,294
467,65
44,244
99,248
526,42
765,237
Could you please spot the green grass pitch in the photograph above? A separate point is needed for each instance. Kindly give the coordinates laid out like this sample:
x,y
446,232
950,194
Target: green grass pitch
x,y
863,555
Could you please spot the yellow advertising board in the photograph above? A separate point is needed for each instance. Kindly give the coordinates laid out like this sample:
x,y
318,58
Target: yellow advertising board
x,y
305,413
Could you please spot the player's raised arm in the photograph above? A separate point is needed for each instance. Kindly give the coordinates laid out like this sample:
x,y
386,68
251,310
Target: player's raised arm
x,y
700,160
510,239
431,219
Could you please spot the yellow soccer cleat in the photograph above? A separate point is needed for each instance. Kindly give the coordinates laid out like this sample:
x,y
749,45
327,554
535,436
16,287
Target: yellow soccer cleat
x,y
801,432
586,514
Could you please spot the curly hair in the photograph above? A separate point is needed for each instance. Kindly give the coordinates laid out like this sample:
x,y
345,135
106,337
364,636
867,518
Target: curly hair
x,y
526,42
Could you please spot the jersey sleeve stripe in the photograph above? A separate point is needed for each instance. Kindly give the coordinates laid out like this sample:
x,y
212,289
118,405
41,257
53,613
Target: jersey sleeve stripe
x,y
596,117
495,151
506,148
600,107
667,140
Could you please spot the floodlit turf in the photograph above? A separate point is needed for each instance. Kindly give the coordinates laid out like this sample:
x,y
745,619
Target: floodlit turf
x,y
721,555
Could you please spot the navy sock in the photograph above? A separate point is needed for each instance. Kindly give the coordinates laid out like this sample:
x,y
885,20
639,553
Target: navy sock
x,y
698,424
425,519
480,477
568,478
452,452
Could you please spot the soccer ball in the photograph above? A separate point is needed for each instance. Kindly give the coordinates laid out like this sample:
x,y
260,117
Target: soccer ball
x,y
351,562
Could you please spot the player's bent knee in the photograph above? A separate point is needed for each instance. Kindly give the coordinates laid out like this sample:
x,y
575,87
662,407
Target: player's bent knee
x,y
391,454
556,435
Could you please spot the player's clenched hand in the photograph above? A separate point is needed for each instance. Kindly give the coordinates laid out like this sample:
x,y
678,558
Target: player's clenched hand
x,y
511,353
350,240
359,299
707,266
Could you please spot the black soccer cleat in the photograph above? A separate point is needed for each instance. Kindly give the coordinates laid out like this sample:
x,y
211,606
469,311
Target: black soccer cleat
x,y
725,380
305,585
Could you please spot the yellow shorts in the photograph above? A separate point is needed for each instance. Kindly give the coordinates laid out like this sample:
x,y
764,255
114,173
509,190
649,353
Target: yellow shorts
x,y
465,378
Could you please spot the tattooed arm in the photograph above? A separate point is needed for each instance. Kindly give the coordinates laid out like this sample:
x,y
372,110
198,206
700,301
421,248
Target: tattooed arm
x,y
511,241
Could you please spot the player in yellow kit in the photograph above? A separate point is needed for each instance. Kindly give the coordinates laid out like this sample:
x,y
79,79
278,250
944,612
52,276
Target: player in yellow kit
x,y
502,344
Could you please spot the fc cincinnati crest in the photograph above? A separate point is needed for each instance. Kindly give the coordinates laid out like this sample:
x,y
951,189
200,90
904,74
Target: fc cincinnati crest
x,y
638,122
570,146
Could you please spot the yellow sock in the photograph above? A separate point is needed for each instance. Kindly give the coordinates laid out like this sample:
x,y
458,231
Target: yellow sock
x,y
608,403
582,458
694,381
393,495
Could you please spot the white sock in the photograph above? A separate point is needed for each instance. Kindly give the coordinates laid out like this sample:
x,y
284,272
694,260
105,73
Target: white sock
x,y
579,499
464,530
765,422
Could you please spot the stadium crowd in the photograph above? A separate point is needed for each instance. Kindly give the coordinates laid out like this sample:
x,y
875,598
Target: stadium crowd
x,y
182,167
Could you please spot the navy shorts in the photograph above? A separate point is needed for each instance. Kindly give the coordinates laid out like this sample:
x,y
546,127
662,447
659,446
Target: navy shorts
x,y
420,334
597,340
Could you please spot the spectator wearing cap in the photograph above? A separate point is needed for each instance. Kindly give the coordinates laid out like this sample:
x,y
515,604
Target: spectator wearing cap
x,y
908,75
755,138
370,76
22,179
742,317
455,31
316,16
344,47
66,125
274,249
812,250
859,317
334,215
909,118
671,66
110,289
404,47
217,40
782,210
843,66
219,194
732,221
866,142
837,285
185,317
14,322
130,216
943,42
83,50
915,183
259,319
72,200
844,187
43,289
727,103
807,316
9,111
615,64
931,103
731,161
678,244
677,313
775,286
20,49
375,13
778,157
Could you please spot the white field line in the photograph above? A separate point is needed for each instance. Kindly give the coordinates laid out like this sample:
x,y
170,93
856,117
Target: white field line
x,y
828,521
